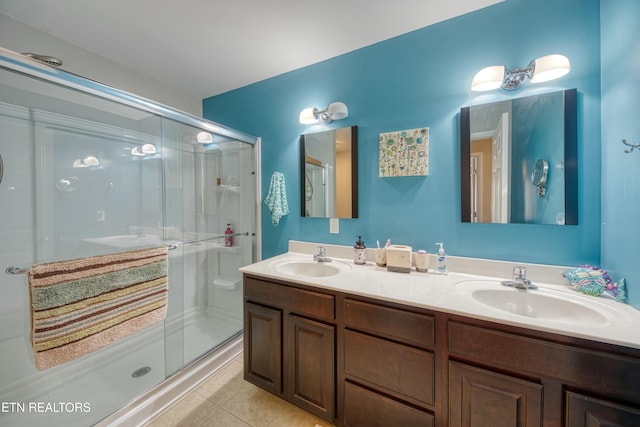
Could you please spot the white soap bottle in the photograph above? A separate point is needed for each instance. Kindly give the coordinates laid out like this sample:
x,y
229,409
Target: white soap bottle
x,y
441,261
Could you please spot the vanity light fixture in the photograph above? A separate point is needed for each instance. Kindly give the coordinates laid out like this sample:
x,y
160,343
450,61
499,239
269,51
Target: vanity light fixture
x,y
543,69
335,111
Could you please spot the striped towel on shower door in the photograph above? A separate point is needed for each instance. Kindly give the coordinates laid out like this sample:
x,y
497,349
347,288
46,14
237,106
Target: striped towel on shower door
x,y
81,305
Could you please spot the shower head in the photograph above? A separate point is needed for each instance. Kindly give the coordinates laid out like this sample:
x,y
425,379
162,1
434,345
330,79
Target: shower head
x,y
49,60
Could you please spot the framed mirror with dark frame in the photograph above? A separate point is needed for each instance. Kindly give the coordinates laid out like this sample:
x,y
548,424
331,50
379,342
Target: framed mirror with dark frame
x,y
329,173
502,144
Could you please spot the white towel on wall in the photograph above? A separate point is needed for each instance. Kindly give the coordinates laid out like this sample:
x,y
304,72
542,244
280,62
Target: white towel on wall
x,y
276,199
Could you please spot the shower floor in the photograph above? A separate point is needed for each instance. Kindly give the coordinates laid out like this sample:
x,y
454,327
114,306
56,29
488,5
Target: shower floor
x,y
204,330
82,392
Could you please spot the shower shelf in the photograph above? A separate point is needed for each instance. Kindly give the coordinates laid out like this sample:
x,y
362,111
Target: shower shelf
x,y
223,248
232,188
231,284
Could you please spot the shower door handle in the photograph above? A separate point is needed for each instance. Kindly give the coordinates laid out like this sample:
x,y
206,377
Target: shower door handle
x,y
1,169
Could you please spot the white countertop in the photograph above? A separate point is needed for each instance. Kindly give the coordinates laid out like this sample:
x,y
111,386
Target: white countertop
x,y
442,292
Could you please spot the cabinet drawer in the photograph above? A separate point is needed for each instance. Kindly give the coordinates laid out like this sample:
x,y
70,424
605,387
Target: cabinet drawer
x,y
400,325
301,301
365,408
402,371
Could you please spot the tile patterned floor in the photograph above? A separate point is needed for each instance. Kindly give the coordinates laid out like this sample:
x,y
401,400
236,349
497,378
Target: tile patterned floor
x,y
226,400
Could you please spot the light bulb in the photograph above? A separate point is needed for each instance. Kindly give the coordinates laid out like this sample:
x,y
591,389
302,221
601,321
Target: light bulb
x,y
550,67
308,116
488,78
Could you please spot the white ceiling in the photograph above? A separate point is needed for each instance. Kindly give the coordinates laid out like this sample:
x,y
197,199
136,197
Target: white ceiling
x,y
206,47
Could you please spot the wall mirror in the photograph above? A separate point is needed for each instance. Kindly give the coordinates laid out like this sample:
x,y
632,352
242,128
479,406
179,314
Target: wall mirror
x,y
518,160
329,173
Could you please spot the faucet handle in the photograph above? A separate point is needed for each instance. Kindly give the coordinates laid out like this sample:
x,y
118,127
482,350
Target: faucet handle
x,y
321,256
519,272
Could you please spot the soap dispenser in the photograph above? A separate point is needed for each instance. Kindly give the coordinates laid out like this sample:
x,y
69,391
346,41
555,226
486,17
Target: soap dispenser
x,y
441,261
360,254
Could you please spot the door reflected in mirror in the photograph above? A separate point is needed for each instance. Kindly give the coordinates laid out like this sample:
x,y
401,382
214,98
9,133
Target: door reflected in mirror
x,y
329,173
506,147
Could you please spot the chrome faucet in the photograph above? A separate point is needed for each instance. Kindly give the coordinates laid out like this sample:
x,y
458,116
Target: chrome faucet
x,y
520,280
321,256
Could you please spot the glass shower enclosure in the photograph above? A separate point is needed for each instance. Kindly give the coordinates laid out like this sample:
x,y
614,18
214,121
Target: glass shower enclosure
x,y
87,170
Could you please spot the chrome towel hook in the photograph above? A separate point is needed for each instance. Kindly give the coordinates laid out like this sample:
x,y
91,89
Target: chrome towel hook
x,y
624,141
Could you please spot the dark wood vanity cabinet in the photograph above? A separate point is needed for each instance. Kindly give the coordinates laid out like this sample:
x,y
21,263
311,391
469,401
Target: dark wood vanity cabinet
x,y
289,344
357,361
517,377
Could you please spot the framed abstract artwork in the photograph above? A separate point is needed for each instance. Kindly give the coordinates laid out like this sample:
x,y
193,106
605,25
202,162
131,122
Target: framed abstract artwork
x,y
404,153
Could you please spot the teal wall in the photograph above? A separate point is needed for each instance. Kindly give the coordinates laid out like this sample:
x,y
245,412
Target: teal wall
x,y
621,120
422,79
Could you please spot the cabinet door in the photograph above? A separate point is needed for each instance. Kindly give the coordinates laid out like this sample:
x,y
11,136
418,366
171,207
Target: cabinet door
x,y
478,397
311,375
263,347
583,411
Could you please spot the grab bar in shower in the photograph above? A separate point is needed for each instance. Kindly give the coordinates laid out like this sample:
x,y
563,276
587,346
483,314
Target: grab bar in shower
x,y
18,270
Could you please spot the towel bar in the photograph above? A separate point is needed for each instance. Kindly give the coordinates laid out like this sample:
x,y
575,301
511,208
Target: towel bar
x,y
189,242
17,270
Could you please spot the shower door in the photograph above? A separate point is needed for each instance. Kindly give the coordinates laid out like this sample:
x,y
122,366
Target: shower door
x,y
72,188
207,188
85,176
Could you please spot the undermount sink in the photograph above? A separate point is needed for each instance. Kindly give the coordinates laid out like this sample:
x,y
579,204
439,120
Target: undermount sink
x,y
542,304
309,267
